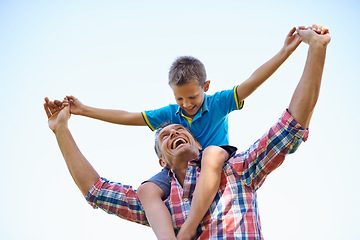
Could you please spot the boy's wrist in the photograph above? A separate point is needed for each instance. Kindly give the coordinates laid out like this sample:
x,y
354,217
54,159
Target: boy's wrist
x,y
285,52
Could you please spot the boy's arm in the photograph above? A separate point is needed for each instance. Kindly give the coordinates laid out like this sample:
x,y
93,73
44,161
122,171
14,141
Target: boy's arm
x,y
107,115
267,69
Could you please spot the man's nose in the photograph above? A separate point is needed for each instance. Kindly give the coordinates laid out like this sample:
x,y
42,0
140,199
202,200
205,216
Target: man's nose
x,y
173,132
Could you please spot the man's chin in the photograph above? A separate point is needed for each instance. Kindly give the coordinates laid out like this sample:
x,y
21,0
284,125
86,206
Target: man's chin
x,y
187,153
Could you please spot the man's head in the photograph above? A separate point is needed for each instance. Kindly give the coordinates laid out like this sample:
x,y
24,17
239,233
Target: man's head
x,y
175,146
187,78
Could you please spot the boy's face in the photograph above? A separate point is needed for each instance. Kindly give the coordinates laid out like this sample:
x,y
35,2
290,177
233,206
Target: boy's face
x,y
190,96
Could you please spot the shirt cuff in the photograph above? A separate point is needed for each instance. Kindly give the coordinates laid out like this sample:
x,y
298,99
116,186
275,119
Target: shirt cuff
x,y
292,126
92,195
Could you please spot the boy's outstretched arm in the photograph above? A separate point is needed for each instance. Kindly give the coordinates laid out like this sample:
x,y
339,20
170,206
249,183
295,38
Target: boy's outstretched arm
x,y
107,115
150,196
261,74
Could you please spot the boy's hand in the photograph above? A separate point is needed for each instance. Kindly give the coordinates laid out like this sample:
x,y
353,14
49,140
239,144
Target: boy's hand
x,y
76,107
292,41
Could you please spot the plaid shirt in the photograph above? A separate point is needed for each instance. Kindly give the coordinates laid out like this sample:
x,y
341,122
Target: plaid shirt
x,y
234,212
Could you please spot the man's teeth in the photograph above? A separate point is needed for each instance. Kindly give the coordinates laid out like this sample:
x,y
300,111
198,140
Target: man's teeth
x,y
178,142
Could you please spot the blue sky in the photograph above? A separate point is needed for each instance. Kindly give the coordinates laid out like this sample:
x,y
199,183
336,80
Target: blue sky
x,y
116,54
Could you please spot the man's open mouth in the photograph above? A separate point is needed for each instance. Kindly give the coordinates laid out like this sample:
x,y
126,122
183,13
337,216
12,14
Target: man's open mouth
x,y
177,143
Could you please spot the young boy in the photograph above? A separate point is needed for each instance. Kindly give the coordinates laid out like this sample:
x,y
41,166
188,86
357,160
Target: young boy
x,y
206,117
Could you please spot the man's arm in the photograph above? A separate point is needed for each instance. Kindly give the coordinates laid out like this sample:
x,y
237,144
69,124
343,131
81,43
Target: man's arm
x,y
261,74
114,198
108,115
80,169
307,91
283,138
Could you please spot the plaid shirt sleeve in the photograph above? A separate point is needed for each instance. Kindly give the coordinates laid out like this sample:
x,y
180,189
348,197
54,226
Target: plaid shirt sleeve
x,y
268,153
118,199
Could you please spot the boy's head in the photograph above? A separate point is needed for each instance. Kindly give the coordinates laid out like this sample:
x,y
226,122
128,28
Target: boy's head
x,y
187,78
186,69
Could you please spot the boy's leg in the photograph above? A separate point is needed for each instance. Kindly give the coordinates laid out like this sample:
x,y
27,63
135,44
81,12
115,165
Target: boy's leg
x,y
306,93
206,188
158,215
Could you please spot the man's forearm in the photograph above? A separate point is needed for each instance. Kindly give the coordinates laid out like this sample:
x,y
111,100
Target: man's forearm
x,y
307,92
80,169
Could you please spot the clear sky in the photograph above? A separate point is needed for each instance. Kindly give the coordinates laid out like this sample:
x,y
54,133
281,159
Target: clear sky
x,y
116,54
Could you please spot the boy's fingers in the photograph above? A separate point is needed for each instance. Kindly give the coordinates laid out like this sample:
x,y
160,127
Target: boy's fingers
x,y
325,30
292,31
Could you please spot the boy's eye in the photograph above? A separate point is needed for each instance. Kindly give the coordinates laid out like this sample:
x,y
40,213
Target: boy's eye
x,y
193,97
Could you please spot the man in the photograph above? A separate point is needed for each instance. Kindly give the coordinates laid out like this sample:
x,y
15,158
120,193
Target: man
x,y
233,213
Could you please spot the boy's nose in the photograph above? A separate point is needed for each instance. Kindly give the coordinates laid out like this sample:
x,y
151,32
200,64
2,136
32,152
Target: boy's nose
x,y
187,104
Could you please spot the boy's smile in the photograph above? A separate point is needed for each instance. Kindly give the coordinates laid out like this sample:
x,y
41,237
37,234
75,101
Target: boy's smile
x,y
190,96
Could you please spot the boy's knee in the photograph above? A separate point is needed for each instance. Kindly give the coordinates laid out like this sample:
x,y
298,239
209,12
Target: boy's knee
x,y
149,190
214,157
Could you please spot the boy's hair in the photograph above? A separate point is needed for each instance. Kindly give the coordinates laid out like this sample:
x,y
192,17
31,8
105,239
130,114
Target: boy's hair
x,y
186,69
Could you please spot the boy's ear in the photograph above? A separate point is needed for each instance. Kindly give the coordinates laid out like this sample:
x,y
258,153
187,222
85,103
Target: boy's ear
x,y
206,85
162,163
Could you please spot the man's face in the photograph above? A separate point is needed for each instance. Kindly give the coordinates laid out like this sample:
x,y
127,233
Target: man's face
x,y
190,97
177,146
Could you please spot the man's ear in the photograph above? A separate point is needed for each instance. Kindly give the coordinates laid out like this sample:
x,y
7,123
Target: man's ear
x,y
199,146
162,163
206,85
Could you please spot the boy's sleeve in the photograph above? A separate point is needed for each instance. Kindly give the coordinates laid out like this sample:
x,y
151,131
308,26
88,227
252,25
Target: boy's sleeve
x,y
118,199
269,152
226,101
154,118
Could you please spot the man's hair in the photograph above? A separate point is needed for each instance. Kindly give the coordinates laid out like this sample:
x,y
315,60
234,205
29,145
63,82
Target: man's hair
x,y
158,129
186,69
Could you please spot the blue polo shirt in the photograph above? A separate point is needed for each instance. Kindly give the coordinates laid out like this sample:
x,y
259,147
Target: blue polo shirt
x,y
210,124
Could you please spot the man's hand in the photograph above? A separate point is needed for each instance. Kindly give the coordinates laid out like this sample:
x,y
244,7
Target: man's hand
x,y
292,41
57,116
315,34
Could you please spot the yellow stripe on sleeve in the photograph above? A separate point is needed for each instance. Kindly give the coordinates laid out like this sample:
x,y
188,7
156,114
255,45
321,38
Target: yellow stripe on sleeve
x,y
239,105
147,121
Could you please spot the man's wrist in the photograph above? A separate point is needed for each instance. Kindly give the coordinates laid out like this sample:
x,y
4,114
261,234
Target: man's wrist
x,y
61,129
